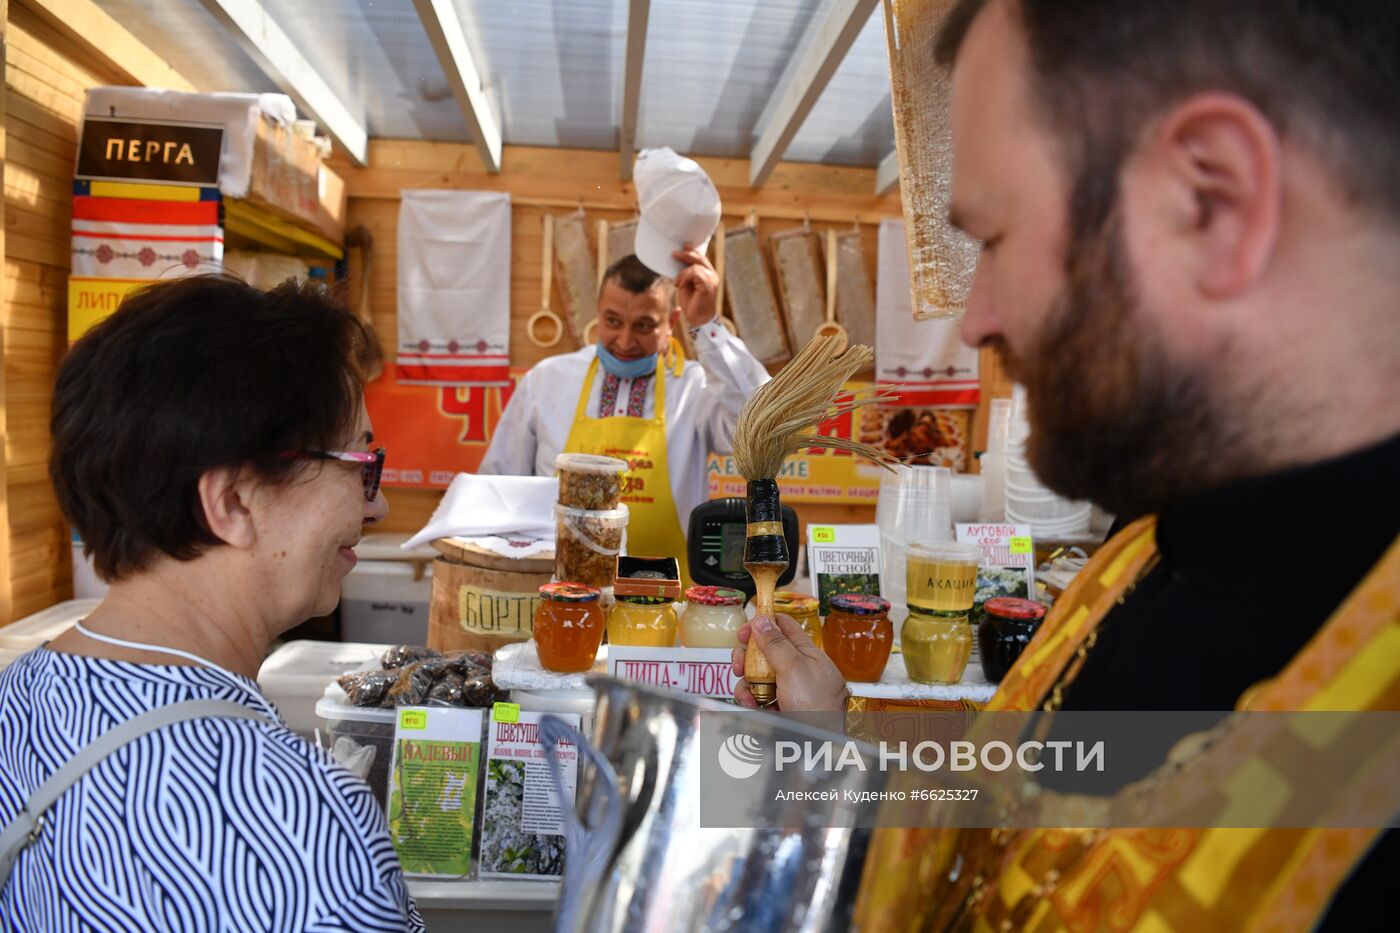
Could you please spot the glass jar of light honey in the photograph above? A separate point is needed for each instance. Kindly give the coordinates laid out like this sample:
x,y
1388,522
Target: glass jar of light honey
x,y
858,636
569,627
803,609
936,646
713,617
643,621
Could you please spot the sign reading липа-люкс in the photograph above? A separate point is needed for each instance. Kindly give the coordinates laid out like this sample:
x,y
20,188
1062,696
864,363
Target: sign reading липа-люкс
x,y
705,672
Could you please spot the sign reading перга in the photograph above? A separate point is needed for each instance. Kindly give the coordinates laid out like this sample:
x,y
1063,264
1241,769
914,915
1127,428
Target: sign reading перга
x,y
129,150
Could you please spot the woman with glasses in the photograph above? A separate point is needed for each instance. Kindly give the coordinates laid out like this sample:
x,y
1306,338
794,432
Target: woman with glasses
x,y
212,447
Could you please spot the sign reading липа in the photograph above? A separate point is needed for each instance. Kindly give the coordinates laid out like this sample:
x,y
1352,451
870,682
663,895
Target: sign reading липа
x,y
129,150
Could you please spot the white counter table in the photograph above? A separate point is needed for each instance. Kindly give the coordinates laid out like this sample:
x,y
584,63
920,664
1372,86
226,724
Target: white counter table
x,y
519,906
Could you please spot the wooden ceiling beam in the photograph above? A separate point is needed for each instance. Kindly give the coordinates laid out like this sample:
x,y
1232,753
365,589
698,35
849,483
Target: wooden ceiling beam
x,y
91,29
638,12
249,23
803,84
887,174
449,40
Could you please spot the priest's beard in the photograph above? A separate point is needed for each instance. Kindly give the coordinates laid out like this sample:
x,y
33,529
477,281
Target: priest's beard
x,y
1114,417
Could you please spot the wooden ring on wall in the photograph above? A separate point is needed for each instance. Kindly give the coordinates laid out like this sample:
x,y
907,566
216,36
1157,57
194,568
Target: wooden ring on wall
x,y
534,322
590,332
833,329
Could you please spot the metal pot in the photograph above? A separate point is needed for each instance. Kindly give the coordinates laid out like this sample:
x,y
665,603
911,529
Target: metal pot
x,y
638,858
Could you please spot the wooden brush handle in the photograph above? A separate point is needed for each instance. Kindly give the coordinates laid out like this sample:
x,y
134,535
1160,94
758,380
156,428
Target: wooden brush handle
x,y
758,671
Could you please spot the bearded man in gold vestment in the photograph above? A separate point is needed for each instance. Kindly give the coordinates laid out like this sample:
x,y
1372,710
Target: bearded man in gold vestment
x,y
1190,219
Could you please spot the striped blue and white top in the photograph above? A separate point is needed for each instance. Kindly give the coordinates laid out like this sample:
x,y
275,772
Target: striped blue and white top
x,y
211,824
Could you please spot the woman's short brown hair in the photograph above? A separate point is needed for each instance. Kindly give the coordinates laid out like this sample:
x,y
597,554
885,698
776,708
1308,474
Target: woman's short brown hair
x,y
188,376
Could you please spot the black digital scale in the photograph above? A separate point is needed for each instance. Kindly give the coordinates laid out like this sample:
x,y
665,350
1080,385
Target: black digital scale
x,y
715,545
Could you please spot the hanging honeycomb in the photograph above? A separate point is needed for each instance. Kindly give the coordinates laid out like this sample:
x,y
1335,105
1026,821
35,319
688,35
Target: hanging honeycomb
x,y
941,257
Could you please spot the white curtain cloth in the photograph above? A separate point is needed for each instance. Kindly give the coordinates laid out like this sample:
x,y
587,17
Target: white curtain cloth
x,y
454,288
927,358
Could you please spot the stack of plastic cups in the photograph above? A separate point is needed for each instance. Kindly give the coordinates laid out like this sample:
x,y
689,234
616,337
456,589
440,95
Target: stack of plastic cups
x,y
1027,500
993,506
891,552
921,511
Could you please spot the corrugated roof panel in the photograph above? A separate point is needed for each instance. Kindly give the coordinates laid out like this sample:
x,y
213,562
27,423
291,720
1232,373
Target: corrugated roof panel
x,y
554,69
852,123
556,66
192,41
710,68
377,59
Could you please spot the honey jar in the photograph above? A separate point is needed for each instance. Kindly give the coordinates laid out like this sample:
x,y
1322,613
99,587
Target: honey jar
x,y
936,646
713,617
569,627
803,609
643,621
1004,633
858,636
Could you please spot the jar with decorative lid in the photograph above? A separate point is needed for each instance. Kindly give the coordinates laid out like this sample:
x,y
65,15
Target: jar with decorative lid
x,y
858,636
713,617
569,627
1009,626
935,645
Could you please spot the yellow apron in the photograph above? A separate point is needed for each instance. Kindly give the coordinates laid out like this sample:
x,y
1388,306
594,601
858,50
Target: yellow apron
x,y
1203,880
653,527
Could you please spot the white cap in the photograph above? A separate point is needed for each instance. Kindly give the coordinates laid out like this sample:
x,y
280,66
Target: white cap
x,y
679,205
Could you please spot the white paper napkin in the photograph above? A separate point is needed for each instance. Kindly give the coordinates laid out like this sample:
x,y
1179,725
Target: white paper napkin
x,y
475,506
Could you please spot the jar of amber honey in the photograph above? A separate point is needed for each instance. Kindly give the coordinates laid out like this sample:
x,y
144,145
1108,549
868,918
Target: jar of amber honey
x,y
569,627
643,621
803,609
858,636
936,646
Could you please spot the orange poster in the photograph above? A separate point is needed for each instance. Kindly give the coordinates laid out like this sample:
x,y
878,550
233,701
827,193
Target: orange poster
x,y
432,433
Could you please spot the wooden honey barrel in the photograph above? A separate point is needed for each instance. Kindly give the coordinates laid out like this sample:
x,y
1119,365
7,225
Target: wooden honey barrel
x,y
482,600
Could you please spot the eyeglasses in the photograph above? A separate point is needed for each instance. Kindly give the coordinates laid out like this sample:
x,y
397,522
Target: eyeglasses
x,y
371,464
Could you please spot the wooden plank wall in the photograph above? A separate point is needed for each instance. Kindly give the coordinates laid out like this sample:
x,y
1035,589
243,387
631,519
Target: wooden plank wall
x,y
6,599
558,181
45,79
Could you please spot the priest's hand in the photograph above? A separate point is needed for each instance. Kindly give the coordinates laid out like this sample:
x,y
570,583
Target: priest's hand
x,y
808,681
697,287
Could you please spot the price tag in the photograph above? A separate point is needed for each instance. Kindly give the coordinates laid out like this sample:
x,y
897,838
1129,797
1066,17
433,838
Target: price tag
x,y
1020,545
824,534
506,712
413,719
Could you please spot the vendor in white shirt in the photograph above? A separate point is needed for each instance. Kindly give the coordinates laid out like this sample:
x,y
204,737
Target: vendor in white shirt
x,y
631,396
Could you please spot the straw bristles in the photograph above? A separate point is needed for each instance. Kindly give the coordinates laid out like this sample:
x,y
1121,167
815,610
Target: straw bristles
x,y
778,419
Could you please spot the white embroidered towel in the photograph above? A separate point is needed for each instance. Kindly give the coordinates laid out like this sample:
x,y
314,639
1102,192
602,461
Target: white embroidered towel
x,y
927,357
454,288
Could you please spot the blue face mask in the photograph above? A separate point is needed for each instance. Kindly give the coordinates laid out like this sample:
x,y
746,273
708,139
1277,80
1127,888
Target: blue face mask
x,y
626,369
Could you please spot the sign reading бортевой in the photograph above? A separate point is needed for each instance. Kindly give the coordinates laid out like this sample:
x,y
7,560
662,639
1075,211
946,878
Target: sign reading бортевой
x,y
145,150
